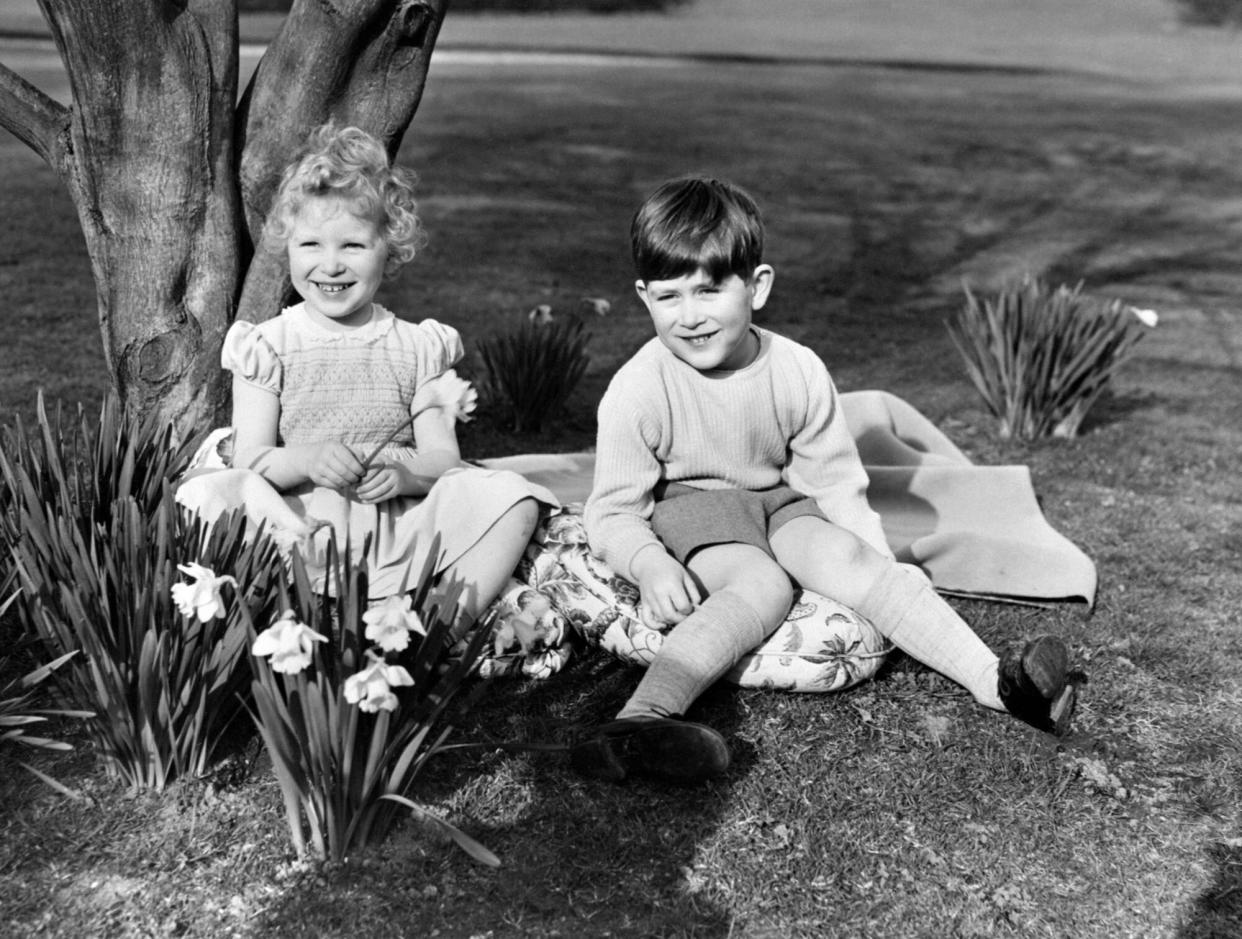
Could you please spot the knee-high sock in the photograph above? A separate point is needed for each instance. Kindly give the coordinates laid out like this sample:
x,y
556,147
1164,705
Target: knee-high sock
x,y
905,607
696,653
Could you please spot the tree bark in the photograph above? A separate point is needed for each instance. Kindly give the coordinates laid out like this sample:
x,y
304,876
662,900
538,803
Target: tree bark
x,y
150,151
148,162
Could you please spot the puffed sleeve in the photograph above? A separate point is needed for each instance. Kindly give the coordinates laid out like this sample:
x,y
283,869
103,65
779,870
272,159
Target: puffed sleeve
x,y
249,356
439,349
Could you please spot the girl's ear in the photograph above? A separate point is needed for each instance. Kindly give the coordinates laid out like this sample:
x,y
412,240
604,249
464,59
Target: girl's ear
x,y
761,285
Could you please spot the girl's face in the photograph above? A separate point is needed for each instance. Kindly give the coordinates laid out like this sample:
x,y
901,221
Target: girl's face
x,y
336,261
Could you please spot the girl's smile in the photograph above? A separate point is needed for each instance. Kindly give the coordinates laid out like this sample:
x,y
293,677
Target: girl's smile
x,y
336,261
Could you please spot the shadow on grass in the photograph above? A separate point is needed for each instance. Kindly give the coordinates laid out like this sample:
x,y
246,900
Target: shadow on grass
x,y
580,857
1218,911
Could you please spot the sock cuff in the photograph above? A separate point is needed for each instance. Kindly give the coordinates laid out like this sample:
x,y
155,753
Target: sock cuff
x,y
894,593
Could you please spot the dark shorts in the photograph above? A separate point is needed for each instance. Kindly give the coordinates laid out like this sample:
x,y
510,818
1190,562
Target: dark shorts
x,y
687,519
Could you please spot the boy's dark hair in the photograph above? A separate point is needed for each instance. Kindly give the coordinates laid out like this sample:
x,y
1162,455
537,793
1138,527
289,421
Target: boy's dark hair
x,y
697,222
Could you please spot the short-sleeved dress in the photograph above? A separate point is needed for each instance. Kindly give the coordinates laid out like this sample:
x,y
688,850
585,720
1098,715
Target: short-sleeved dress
x,y
356,386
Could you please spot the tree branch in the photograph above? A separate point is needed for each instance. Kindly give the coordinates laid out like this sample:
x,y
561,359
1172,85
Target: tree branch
x,y
33,118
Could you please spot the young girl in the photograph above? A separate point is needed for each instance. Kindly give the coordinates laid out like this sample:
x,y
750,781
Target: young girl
x,y
319,388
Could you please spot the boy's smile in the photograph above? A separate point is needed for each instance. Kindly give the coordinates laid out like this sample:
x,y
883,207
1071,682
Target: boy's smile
x,y
336,261
705,323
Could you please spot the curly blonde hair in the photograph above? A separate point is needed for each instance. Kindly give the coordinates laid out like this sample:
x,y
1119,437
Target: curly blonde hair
x,y
349,163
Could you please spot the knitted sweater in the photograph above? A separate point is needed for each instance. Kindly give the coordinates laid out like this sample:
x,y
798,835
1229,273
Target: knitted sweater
x,y
776,421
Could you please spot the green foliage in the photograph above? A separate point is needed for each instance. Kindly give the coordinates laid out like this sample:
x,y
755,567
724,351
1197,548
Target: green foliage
x,y
96,537
345,771
1040,357
530,371
18,706
1210,12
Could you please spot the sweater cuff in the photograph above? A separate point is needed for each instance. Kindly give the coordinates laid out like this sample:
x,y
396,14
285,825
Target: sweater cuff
x,y
625,548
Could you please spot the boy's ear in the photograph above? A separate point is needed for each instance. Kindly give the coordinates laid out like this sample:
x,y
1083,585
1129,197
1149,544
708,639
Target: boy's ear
x,y
761,285
640,287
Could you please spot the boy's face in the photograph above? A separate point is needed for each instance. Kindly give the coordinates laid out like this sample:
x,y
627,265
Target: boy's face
x,y
704,323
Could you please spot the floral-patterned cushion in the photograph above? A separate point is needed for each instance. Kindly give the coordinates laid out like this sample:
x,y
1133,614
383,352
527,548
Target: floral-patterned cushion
x,y
821,646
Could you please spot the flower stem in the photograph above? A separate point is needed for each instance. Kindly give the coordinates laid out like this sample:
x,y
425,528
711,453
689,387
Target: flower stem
x,y
366,464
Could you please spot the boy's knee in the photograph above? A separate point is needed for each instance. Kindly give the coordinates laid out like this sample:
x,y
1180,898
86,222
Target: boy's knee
x,y
767,588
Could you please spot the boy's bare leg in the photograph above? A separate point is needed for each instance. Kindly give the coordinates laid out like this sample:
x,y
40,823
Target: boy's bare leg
x,y
899,600
748,595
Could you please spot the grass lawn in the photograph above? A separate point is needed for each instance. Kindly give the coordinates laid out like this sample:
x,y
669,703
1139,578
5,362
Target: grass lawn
x,y
898,808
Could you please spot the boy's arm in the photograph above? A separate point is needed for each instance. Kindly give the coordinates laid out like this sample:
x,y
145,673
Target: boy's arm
x,y
618,512
824,463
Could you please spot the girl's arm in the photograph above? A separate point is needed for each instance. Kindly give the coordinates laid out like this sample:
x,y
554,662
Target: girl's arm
x,y
435,436
256,417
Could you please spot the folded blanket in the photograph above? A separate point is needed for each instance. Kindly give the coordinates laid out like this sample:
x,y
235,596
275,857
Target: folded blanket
x,y
973,529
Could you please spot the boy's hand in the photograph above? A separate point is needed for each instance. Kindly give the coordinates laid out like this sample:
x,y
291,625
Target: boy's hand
x,y
334,465
666,586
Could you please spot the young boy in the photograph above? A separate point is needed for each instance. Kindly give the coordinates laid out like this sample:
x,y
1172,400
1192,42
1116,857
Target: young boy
x,y
725,475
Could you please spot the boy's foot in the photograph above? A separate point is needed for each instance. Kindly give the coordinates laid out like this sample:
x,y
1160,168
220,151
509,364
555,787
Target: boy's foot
x,y
663,747
1036,685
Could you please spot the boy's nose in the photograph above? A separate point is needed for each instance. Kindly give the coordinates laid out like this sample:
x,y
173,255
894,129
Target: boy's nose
x,y
692,314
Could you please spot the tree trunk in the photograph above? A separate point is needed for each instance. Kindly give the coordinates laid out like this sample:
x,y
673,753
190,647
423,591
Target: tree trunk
x,y
148,161
150,150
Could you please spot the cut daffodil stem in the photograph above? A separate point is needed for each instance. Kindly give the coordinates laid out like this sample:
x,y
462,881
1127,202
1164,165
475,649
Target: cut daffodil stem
x,y
366,464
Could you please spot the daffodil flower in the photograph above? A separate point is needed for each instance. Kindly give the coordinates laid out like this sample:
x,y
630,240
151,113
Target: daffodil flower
x,y
390,622
288,642
1148,318
202,597
597,305
371,688
448,391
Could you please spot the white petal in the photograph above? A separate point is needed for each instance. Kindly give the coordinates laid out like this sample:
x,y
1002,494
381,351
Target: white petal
x,y
397,675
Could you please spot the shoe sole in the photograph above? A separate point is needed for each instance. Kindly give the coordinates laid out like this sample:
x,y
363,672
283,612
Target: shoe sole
x,y
1046,665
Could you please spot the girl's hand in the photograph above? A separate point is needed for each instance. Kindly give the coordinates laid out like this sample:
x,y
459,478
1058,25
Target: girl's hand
x,y
386,481
382,482
334,465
